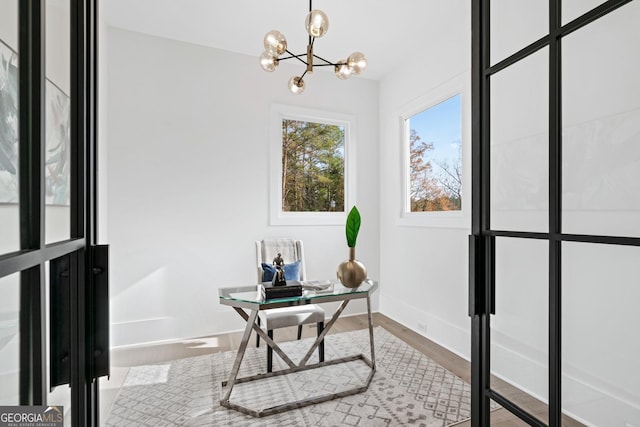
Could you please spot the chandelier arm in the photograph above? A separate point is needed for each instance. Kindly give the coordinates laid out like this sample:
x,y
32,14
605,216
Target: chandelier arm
x,y
305,72
294,56
322,59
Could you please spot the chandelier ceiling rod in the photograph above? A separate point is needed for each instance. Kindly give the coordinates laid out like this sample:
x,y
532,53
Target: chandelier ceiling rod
x,y
317,24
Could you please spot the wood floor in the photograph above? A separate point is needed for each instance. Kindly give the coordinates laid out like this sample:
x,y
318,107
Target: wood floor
x,y
123,359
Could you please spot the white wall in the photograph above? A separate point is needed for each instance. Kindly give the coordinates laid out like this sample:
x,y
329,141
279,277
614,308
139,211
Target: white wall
x,y
424,268
188,176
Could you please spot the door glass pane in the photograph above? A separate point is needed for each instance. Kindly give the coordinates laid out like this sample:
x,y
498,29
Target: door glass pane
x,y
60,395
600,348
57,125
516,24
9,207
601,126
519,329
519,145
571,9
9,339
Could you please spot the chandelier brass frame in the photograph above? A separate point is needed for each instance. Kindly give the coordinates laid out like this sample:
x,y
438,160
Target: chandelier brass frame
x,y
317,24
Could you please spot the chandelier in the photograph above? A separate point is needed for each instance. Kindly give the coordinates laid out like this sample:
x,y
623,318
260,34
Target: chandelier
x,y
317,24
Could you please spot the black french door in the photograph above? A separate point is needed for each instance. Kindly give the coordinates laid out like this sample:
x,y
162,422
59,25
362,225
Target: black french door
x,y
555,232
53,277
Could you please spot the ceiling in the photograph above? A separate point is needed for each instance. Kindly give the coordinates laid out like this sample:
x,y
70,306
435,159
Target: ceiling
x,y
388,32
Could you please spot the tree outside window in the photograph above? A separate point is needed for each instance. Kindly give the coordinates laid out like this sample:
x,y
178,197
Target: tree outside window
x,y
312,167
435,158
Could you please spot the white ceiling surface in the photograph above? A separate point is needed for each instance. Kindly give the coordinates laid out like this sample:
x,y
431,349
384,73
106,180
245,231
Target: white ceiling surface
x,y
388,32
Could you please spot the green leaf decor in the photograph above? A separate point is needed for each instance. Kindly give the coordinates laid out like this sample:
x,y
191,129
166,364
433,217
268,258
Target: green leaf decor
x,y
353,226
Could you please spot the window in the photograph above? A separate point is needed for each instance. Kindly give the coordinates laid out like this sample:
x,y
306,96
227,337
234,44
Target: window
x,y
312,154
435,158
434,164
312,167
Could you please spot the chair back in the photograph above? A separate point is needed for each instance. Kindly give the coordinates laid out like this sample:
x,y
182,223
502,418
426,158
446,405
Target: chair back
x,y
291,250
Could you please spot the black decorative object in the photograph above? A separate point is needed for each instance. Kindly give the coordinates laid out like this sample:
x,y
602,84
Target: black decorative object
x,y
290,289
278,277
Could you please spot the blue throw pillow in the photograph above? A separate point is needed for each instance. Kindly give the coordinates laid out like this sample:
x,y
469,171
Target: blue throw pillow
x,y
268,272
291,271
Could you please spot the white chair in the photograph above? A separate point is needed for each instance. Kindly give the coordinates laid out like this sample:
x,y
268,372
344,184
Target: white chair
x,y
291,251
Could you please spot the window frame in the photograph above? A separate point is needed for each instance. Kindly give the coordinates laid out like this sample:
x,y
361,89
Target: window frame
x,y
281,112
459,85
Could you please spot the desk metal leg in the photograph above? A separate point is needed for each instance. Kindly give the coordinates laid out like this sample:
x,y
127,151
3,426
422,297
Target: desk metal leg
x,y
370,318
271,343
241,350
318,340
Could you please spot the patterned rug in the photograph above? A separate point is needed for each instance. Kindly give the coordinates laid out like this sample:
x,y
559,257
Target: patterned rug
x,y
408,388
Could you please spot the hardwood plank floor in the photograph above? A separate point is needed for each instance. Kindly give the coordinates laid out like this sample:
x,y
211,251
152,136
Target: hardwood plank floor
x,y
125,358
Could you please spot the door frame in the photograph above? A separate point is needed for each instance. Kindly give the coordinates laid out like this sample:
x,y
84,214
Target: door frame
x,y
482,239
30,260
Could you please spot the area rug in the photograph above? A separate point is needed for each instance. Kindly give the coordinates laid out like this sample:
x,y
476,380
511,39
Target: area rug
x,y
408,388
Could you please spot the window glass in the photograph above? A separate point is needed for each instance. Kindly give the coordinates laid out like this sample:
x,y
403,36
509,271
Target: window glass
x,y
516,24
519,126
57,169
312,166
571,9
435,158
10,340
520,325
601,126
312,163
600,370
9,155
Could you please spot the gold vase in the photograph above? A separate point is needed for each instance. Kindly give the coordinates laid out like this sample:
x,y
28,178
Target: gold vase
x,y
352,273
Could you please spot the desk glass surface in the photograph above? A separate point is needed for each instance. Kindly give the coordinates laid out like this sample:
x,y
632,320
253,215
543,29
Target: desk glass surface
x,y
251,295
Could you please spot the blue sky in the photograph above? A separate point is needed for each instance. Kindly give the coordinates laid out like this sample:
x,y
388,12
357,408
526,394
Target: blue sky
x,y
441,125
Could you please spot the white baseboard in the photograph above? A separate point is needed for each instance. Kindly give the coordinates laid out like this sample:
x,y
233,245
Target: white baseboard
x,y
446,334
141,332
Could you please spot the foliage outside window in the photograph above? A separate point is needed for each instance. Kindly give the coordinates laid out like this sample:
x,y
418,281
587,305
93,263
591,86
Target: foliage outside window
x,y
312,166
435,158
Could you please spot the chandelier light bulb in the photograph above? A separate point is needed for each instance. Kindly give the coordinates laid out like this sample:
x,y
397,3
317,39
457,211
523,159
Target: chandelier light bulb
x,y
296,85
317,23
275,43
342,70
268,62
357,62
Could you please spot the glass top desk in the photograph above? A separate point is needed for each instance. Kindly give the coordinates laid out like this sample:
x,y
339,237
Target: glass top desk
x,y
249,298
